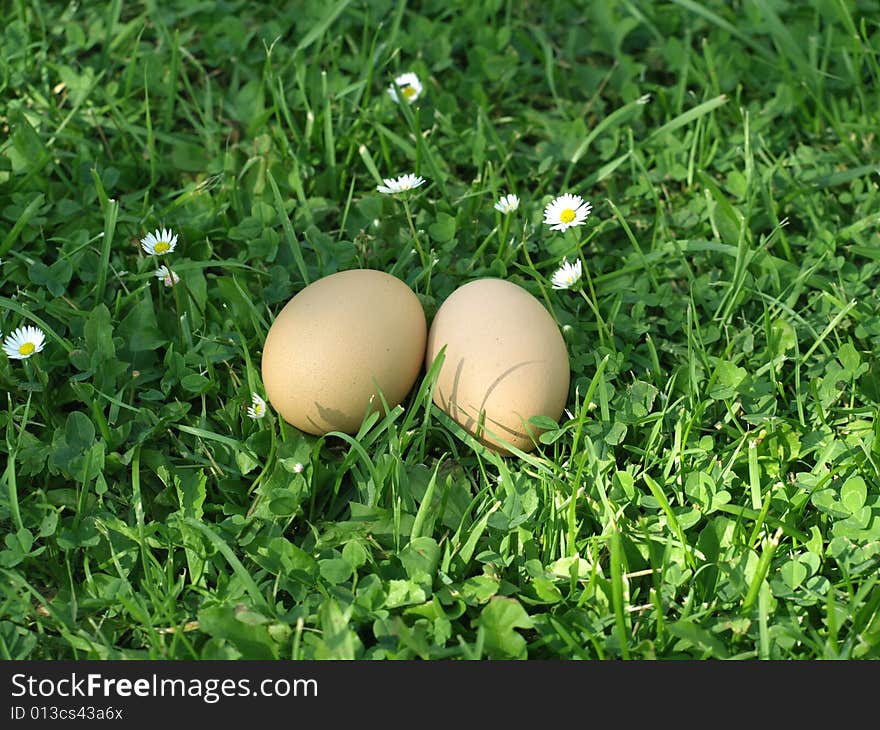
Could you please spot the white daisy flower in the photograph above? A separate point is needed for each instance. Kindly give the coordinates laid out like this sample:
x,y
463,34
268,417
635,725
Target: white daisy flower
x,y
567,275
566,211
409,85
298,468
168,277
24,342
507,204
160,242
401,184
258,408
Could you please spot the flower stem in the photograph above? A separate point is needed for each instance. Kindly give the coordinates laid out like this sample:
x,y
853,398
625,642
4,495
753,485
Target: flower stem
x,y
36,375
418,246
180,313
593,302
502,236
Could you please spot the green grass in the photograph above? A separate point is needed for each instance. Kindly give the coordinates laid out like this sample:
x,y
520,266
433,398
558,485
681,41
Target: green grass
x,y
712,490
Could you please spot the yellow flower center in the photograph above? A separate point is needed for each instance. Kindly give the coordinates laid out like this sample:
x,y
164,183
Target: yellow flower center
x,y
163,246
26,349
567,215
408,92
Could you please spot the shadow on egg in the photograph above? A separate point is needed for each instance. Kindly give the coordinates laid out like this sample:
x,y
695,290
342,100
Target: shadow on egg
x,y
492,431
505,356
330,415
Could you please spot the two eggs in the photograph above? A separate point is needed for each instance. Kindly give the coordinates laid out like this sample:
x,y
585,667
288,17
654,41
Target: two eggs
x,y
349,340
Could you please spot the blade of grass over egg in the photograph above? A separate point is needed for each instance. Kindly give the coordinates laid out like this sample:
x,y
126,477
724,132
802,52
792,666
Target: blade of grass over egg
x,y
376,425
390,414
289,233
483,451
424,398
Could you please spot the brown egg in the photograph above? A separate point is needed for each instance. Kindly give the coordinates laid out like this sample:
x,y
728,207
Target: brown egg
x,y
505,358
336,343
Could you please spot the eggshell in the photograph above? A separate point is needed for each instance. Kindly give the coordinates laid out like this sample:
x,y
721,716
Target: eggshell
x,y
504,355
335,341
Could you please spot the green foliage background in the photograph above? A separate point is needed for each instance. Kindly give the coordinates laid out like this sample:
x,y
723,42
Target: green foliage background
x,y
712,490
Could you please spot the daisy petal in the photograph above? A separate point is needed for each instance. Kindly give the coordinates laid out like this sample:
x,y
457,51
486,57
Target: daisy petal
x,y
566,211
401,184
24,342
507,204
409,86
168,277
567,275
160,242
257,409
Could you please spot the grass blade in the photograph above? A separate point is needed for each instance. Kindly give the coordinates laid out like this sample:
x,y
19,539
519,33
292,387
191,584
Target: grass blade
x,y
689,116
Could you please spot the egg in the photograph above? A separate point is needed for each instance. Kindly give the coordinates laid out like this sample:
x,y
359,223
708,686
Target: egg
x,y
339,341
505,359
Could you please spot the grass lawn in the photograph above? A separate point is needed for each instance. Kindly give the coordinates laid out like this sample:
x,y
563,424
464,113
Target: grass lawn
x,y
712,488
